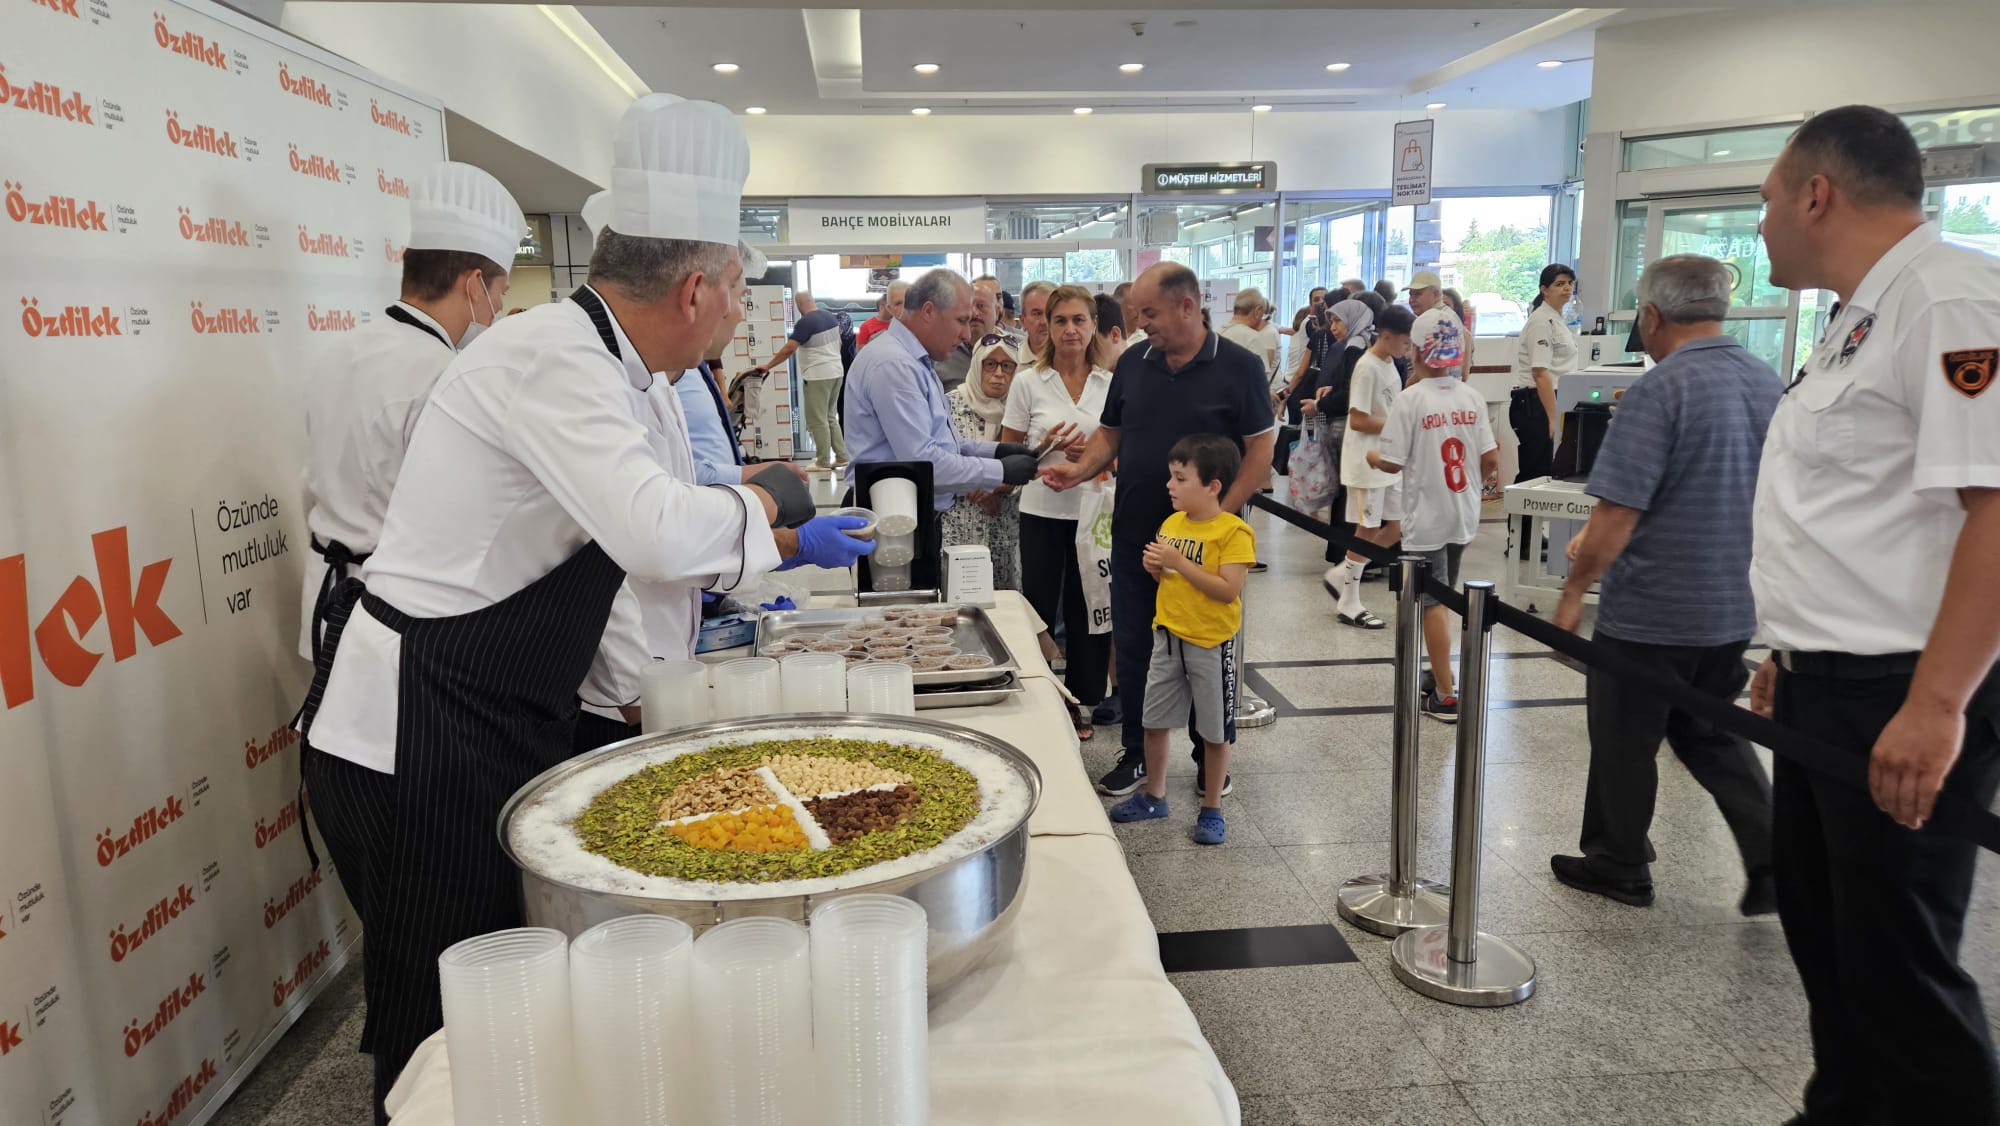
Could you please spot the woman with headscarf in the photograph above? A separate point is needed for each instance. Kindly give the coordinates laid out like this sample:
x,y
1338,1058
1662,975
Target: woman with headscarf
x,y
989,518
1354,331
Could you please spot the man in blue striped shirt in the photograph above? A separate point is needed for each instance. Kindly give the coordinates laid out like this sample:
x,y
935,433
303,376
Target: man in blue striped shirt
x,y
1675,482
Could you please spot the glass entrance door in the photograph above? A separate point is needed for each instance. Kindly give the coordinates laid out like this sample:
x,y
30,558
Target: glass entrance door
x,y
1763,316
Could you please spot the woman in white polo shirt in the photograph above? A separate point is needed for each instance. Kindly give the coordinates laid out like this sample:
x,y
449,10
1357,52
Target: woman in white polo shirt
x,y
1054,405
1547,353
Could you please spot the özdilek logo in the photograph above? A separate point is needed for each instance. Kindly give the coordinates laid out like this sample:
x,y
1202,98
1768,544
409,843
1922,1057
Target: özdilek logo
x,y
55,211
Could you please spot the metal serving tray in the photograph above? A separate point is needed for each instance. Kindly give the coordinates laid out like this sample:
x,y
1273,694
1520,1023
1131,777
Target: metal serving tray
x,y
999,691
974,633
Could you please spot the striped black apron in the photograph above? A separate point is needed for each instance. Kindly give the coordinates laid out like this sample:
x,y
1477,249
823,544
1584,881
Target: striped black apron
x,y
486,701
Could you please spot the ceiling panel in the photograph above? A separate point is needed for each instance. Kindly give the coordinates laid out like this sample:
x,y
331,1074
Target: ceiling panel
x,y
675,49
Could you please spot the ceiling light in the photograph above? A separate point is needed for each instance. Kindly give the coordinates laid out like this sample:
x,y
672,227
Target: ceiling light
x,y
925,68
922,111
1549,64
1722,152
1081,111
1131,68
1260,109
1433,105
726,68
754,111
1338,67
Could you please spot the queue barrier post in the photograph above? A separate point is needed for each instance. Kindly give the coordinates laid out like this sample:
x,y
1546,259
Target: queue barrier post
x,y
1455,963
1252,710
1392,903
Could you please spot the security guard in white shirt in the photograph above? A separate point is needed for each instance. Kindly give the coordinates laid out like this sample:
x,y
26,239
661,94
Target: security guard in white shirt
x,y
539,476
1877,538
364,391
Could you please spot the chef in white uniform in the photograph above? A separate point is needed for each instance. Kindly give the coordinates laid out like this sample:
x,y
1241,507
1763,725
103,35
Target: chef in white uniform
x,y
364,391
539,476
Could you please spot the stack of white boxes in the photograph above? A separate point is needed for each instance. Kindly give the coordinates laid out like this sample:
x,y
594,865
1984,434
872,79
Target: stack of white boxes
x,y
767,409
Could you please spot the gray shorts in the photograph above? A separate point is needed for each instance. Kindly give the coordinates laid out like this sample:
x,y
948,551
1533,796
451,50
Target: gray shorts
x,y
1444,567
1184,676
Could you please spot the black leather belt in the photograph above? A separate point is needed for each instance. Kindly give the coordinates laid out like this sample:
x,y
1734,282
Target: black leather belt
x,y
1847,666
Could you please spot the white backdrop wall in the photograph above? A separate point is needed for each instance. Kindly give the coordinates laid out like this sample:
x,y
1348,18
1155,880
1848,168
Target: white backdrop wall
x,y
1698,70
193,202
997,155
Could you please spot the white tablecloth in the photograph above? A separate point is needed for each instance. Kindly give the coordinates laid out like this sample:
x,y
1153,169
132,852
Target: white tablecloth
x,y
1072,1019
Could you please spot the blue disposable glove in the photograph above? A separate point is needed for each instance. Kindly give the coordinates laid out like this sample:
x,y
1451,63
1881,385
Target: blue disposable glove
x,y
824,542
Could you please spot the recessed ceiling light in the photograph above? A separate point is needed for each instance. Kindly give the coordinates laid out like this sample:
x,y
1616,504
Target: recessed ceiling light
x,y
1549,64
1260,109
1434,105
922,111
1722,152
726,68
754,111
1131,68
1338,67
925,68
1081,111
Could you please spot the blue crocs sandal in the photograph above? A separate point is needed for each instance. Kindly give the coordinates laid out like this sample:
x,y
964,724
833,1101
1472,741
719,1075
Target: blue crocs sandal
x,y
1209,828
1141,806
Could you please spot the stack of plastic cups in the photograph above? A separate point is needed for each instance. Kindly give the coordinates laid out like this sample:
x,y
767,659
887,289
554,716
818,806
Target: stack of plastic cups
x,y
814,682
746,687
507,1026
753,1004
895,503
882,688
632,1009
673,694
870,1000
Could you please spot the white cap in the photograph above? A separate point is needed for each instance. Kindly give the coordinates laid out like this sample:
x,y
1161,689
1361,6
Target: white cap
x,y
1438,339
596,212
1425,279
458,207
677,171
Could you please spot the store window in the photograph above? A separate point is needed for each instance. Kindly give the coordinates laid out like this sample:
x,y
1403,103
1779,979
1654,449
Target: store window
x,y
1721,146
1493,249
762,224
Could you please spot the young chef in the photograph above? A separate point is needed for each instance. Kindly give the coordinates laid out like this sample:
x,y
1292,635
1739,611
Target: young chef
x,y
365,390
538,477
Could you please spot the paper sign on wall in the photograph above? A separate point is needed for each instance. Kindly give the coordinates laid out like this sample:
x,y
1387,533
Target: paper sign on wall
x,y
1410,183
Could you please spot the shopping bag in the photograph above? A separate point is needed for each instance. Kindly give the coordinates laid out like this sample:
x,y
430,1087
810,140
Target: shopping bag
x,y
1093,552
1312,480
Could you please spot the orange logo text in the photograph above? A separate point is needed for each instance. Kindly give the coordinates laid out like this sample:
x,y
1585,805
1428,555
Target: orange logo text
x,y
55,211
42,98
127,610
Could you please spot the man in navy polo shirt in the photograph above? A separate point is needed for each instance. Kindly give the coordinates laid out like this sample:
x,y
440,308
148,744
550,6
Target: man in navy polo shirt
x,y
1182,380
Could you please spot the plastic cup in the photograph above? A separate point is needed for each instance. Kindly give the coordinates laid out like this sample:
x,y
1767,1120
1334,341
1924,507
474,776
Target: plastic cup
x,y
753,1004
890,577
746,687
507,1027
895,551
814,682
673,694
871,1033
865,532
881,688
894,500
632,1016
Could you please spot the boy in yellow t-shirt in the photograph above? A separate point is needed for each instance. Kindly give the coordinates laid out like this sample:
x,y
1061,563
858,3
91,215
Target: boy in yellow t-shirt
x,y
1200,557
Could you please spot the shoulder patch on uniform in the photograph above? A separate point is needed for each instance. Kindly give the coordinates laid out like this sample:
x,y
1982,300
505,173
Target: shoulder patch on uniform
x,y
1971,371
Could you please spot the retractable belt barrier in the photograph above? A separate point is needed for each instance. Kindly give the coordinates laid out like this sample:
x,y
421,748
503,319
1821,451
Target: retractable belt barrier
x,y
1951,814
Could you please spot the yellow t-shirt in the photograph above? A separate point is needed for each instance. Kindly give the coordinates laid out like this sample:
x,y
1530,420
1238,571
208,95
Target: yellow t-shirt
x,y
1182,610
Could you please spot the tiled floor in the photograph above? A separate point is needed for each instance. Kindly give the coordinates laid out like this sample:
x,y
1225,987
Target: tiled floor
x,y
1681,1013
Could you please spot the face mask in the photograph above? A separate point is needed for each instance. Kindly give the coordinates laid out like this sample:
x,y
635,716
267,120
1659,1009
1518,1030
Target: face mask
x,y
474,328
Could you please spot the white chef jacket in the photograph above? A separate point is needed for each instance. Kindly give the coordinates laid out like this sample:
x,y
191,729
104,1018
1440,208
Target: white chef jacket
x,y
1545,343
363,395
534,444
1857,509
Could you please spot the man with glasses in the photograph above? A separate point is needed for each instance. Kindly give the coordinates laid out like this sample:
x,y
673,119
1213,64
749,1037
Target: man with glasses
x,y
952,367
896,409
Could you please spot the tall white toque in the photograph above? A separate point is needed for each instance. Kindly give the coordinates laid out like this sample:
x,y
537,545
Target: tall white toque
x,y
458,207
677,171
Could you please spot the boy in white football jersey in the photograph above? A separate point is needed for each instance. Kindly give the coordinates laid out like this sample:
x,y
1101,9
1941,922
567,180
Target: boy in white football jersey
x,y
1437,425
1374,498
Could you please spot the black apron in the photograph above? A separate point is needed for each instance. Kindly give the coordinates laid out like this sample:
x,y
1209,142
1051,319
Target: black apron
x,y
486,701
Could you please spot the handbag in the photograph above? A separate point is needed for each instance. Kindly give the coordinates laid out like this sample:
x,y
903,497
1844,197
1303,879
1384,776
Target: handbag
x,y
1312,481
1093,552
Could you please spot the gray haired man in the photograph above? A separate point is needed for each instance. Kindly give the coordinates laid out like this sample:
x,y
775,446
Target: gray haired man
x,y
1675,482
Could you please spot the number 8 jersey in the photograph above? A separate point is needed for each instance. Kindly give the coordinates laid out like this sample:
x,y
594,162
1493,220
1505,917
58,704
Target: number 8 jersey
x,y
1437,432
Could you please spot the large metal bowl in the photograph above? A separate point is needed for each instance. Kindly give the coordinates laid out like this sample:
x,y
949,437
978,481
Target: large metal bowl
x,y
970,900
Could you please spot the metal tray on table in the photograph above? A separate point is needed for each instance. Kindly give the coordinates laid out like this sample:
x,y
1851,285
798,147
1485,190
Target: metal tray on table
x,y
974,633
997,691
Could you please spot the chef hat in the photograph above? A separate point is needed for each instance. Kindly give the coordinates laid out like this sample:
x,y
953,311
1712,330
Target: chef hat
x,y
596,212
1439,339
677,171
458,207
755,264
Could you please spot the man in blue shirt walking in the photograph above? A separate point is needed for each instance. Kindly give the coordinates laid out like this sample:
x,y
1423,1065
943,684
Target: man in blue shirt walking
x,y
1675,481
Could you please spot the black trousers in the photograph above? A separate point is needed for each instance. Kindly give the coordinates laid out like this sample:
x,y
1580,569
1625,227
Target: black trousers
x,y
1530,421
354,810
1874,913
594,731
1626,726
1053,585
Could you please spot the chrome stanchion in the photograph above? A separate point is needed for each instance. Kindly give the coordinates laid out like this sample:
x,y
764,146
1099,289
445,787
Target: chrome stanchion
x,y
1456,963
1397,901
1252,710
